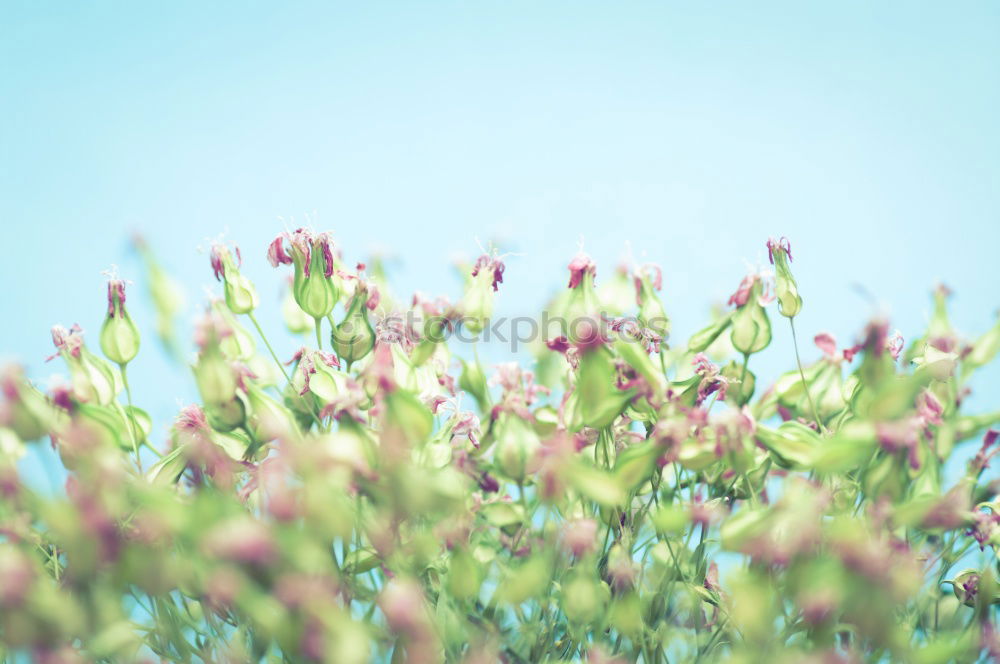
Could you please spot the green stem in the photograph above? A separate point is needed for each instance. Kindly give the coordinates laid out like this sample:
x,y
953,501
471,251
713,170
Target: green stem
x,y
274,356
319,333
744,397
131,417
281,367
802,375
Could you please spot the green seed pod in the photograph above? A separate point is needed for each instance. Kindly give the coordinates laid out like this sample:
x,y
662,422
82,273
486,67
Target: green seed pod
x,y
584,599
517,445
581,311
296,320
214,376
241,296
119,335
786,290
316,285
25,410
315,293
167,296
599,399
473,381
93,379
651,313
751,328
268,419
407,416
317,373
225,416
477,303
741,383
354,337
236,342
465,575
617,294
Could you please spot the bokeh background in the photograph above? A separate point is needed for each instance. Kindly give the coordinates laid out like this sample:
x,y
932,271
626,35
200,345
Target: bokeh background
x,y
865,132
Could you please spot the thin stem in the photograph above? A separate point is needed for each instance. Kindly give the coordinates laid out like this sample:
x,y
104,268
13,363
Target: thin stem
x,y
319,333
744,397
131,417
802,375
281,367
274,356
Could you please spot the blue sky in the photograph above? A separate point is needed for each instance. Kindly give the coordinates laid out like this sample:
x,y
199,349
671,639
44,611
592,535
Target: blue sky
x,y
865,132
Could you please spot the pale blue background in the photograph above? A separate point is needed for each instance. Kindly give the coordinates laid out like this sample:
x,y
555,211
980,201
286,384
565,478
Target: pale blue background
x,y
867,132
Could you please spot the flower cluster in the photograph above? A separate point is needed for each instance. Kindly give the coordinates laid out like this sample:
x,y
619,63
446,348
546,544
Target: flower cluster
x,y
370,493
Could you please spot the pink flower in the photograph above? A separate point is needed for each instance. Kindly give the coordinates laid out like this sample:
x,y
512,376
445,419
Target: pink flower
x,y
742,294
580,265
778,245
491,264
192,419
276,254
983,456
302,243
929,408
711,379
826,343
560,344
67,341
894,344
901,434
579,536
655,276
242,540
116,297
219,256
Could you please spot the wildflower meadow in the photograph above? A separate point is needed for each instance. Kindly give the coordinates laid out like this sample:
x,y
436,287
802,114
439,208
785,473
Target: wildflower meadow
x,y
608,493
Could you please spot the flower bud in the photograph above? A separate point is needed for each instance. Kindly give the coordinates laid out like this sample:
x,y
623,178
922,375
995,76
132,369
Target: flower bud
x,y
354,337
579,537
648,280
473,381
241,296
268,419
235,341
25,410
119,335
167,296
940,332
214,376
786,290
407,417
225,416
584,599
596,399
581,308
517,445
316,373
477,305
751,328
93,379
315,286
617,293
465,575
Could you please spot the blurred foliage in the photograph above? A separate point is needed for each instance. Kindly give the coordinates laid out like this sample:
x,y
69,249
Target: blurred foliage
x,y
623,501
